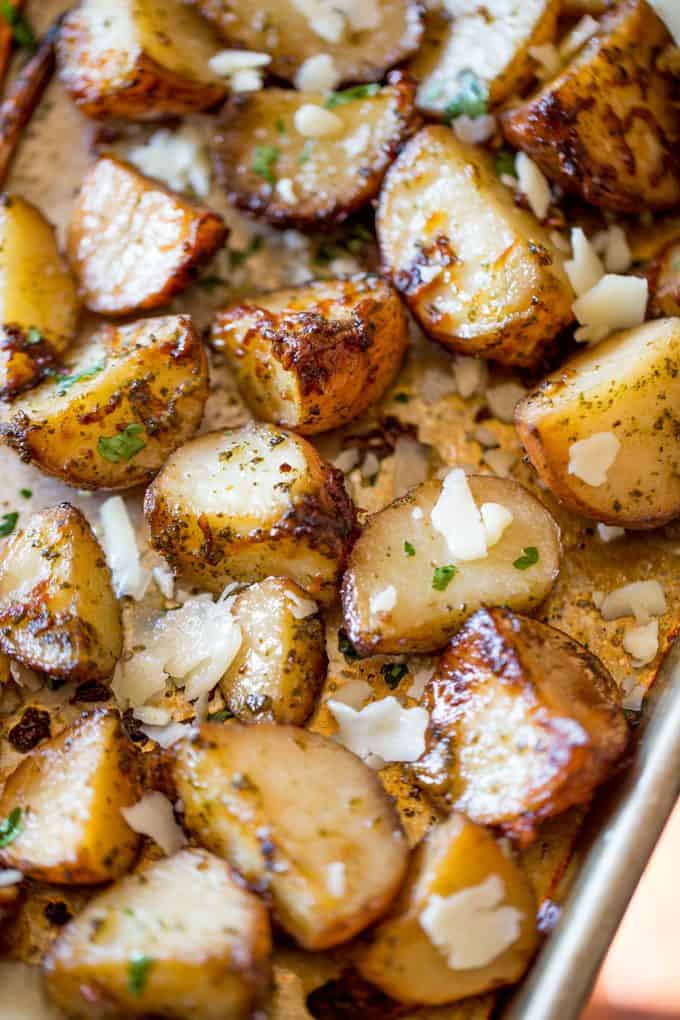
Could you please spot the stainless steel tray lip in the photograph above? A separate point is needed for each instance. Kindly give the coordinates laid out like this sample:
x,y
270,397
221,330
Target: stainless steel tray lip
x,y
627,822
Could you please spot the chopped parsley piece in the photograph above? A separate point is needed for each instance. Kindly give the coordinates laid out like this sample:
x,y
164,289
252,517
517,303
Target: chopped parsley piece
x,y
138,973
8,523
443,576
402,398
350,95
65,382
472,98
306,153
10,827
21,30
55,683
346,647
264,160
505,162
280,126
409,549
33,335
237,258
220,716
528,559
26,493
393,673
123,446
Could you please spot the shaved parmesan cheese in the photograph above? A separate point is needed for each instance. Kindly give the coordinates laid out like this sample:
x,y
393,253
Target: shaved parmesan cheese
x,y
10,876
120,548
331,19
247,80
475,130
584,268
533,183
503,398
435,384
609,533
384,729
456,516
642,642
285,189
633,694
355,693
548,59
336,879
472,927
299,607
313,121
153,816
615,302
317,74
227,62
590,459
410,464
166,736
618,257
383,601
582,31
669,12
421,678
152,715
165,579
496,519
177,158
642,599
470,375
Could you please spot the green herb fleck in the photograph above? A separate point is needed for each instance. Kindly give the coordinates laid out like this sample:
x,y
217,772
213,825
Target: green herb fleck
x,y
350,95
220,716
65,382
307,150
55,683
505,163
409,549
393,673
123,446
26,493
138,973
10,827
237,258
402,398
8,523
443,576
346,647
33,335
528,559
211,282
21,30
632,716
472,98
280,126
264,160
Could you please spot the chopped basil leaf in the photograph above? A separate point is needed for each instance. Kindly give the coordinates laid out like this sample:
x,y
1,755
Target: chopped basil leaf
x,y
26,493
443,576
393,673
10,827
528,559
138,973
409,549
65,382
505,162
33,335
349,95
237,258
21,30
123,446
220,716
8,523
472,98
264,161
346,647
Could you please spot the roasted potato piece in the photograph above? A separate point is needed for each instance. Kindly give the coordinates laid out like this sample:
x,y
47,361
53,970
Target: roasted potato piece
x,y
10,901
464,923
404,590
601,432
480,274
58,612
363,42
132,243
492,39
248,503
524,723
179,939
282,659
138,59
664,281
299,815
68,793
314,357
270,169
38,299
607,127
128,397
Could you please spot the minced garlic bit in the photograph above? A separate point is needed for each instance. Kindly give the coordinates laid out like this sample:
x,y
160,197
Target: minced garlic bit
x,y
590,459
533,183
317,74
381,732
313,121
642,642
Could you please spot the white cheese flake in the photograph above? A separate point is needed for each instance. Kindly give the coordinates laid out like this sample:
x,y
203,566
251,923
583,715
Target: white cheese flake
x,y
153,816
312,121
456,516
470,375
615,302
590,459
496,519
633,692
547,57
317,74
227,62
332,20
609,532
383,729
501,462
642,642
120,548
503,398
152,715
177,158
383,601
533,183
355,694
642,599
584,268
582,31
247,80
285,189
421,678
301,608
166,736
474,130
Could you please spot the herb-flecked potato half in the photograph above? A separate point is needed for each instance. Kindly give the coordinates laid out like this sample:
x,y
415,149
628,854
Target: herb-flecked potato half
x,y
58,611
180,938
608,126
272,170
138,59
134,244
125,400
481,275
249,503
314,357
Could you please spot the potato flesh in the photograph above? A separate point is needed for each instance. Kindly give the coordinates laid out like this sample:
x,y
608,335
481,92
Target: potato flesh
x,y
284,819
423,618
206,938
70,792
134,244
58,612
281,662
150,376
501,291
250,503
628,386
511,742
313,358
664,281
400,958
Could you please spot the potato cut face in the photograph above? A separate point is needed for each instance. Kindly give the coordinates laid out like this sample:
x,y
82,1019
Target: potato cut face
x,y
138,59
313,358
524,723
607,127
464,922
481,275
249,503
625,388
271,170
281,663
38,300
364,41
299,815
58,612
70,792
132,243
493,39
124,401
180,938
664,281
404,591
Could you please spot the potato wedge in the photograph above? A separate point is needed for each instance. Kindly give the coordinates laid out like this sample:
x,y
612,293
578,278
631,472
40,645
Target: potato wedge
x,y
128,397
132,243
607,127
481,275
404,591
179,939
138,59
313,358
464,923
486,44
624,392
363,41
69,793
249,503
524,723
10,902
281,663
300,816
38,300
664,281
271,170
58,612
